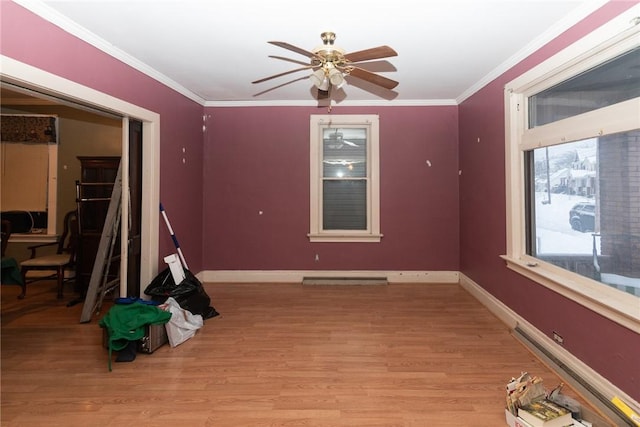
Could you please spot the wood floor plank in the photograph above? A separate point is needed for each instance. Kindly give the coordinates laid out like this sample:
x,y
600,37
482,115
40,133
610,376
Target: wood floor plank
x,y
403,355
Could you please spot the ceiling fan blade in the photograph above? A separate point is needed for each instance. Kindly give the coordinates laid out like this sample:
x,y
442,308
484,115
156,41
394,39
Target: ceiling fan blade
x,y
372,78
295,49
289,60
281,85
352,144
284,74
369,54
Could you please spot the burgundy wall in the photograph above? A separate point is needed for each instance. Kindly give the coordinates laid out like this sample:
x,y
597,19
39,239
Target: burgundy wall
x,y
257,159
32,40
607,347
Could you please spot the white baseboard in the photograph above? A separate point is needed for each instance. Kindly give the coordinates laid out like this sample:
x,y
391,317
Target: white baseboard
x,y
513,320
296,276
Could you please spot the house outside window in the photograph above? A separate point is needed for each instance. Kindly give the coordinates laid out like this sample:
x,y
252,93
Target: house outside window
x,y
344,177
573,175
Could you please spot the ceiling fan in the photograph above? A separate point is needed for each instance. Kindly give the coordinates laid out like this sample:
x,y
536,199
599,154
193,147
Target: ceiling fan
x,y
336,140
330,64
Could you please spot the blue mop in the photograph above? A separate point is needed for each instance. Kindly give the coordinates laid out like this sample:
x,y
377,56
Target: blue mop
x,y
173,236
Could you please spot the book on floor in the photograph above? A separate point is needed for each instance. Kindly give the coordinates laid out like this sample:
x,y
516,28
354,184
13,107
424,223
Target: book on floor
x,y
519,422
544,413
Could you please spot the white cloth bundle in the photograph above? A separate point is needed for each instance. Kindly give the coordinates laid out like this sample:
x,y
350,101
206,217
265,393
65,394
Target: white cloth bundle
x,y
182,325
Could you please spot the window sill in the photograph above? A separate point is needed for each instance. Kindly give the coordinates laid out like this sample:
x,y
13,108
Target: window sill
x,y
611,303
362,238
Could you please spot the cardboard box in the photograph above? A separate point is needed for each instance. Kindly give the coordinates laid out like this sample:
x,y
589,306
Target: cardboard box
x,y
155,336
513,421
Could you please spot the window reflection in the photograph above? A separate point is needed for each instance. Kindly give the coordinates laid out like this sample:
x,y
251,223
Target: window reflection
x,y
344,173
609,83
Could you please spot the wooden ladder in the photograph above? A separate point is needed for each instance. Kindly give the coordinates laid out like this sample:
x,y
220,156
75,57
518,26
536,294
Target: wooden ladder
x,y
100,283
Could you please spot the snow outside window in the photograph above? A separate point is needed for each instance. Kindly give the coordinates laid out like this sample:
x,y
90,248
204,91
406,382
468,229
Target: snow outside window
x,y
573,174
584,203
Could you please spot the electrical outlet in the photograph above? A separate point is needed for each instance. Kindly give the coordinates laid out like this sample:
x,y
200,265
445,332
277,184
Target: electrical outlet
x,y
317,258
558,338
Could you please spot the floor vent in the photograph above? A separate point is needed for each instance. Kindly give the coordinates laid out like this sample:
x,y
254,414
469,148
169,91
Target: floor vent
x,y
344,281
589,392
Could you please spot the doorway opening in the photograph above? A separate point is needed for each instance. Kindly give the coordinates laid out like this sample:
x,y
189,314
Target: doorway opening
x,y
137,124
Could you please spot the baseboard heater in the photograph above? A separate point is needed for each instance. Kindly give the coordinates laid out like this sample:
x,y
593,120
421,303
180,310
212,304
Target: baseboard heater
x,y
344,281
572,377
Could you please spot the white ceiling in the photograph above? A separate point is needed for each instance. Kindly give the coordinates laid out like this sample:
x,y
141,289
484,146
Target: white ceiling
x,y
211,50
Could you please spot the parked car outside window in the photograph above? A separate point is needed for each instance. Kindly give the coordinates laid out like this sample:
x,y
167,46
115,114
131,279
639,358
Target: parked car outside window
x,y
582,216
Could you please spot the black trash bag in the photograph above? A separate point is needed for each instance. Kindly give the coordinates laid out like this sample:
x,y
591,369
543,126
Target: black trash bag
x,y
189,293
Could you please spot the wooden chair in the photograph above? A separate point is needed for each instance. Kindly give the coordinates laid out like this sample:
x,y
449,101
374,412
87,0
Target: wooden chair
x,y
58,264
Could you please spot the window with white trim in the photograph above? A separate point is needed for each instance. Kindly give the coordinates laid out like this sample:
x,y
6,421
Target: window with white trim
x,y
573,175
344,177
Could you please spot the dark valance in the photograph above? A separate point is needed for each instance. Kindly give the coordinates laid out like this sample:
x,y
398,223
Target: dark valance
x,y
33,129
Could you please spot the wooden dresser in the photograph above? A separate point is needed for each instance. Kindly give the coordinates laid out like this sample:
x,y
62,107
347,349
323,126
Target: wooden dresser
x,y
93,193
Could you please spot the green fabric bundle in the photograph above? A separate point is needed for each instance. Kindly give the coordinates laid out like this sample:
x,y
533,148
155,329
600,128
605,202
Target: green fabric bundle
x,y
127,322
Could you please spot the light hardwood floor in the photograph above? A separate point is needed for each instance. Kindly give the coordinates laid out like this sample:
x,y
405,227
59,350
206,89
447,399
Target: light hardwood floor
x,y
278,355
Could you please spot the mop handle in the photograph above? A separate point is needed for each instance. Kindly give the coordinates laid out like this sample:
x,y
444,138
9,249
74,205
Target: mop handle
x,y
173,237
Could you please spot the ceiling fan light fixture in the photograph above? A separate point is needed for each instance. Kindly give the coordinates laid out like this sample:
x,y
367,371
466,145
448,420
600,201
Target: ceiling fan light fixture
x,y
335,77
325,85
319,79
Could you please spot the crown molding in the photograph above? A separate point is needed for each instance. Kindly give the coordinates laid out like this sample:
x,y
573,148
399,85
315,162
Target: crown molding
x,y
312,103
561,26
49,14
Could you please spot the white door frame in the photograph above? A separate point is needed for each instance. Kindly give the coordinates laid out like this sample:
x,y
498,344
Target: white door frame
x,y
30,77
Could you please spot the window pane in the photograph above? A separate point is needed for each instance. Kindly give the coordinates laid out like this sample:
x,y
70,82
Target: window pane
x,y
345,205
585,199
344,153
609,83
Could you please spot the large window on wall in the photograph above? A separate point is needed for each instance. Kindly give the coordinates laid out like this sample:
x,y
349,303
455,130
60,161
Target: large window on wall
x,y
573,175
344,203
